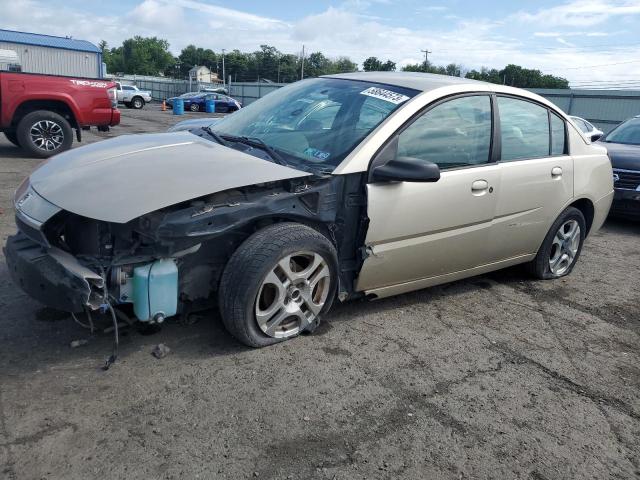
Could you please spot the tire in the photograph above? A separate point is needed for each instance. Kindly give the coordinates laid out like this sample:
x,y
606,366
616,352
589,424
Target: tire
x,y
51,133
137,103
12,137
563,246
246,293
194,107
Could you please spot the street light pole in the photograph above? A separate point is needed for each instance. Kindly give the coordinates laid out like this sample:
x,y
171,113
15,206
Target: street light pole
x,y
224,81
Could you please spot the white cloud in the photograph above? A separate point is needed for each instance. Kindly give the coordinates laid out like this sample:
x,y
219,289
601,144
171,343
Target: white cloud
x,y
350,31
579,13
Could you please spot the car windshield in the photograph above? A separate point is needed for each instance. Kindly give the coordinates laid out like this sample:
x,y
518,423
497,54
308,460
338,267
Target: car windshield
x,y
627,132
314,124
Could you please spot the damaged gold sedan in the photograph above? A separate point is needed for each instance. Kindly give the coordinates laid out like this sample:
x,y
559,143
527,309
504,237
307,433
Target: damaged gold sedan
x,y
365,184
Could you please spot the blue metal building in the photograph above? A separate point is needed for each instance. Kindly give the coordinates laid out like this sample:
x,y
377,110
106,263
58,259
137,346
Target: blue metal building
x,y
53,55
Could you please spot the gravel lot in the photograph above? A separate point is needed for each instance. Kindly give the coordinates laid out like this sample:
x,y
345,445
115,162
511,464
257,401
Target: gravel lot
x,y
493,377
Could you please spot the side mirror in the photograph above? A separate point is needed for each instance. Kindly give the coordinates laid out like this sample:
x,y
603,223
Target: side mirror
x,y
406,169
596,136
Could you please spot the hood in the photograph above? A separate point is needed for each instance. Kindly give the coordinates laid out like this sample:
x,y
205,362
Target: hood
x,y
626,157
123,178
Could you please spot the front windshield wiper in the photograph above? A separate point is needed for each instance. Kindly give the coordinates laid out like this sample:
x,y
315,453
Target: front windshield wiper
x,y
215,135
259,143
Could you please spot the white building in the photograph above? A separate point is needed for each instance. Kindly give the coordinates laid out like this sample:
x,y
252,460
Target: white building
x,y
200,73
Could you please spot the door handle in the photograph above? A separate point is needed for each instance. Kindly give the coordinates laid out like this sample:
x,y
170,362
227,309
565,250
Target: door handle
x,y
556,172
479,187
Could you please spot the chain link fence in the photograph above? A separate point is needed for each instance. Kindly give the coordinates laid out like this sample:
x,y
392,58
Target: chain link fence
x,y
161,88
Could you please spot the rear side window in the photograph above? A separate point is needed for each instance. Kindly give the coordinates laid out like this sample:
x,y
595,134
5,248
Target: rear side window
x,y
456,133
558,137
524,129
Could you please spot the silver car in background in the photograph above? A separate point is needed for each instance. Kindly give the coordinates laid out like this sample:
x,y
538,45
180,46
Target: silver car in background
x,y
587,128
332,188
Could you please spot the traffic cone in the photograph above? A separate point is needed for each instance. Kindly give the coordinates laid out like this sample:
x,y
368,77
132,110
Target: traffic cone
x,y
164,105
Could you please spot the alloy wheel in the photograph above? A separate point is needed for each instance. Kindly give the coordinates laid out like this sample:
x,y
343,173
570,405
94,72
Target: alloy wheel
x,y
564,247
46,135
292,294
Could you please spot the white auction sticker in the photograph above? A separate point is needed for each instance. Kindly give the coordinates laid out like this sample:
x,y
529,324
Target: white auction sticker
x,y
386,95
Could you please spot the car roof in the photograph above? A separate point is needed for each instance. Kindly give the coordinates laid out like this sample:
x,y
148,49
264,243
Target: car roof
x,y
413,80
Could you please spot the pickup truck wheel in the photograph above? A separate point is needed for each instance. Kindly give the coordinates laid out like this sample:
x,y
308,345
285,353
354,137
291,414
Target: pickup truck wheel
x,y
137,103
12,137
43,133
278,284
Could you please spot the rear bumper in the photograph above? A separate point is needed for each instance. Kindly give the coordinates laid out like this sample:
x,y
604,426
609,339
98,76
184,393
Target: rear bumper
x,y
115,117
51,276
626,203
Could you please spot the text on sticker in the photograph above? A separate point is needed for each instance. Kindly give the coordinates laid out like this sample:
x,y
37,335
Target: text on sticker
x,y
384,94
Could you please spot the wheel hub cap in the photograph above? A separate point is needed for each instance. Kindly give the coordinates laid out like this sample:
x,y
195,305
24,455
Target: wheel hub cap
x,y
46,135
564,247
292,294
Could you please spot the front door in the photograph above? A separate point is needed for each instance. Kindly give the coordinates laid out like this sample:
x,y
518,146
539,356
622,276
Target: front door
x,y
423,230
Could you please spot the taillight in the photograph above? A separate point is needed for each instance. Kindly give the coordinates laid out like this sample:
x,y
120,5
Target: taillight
x,y
113,96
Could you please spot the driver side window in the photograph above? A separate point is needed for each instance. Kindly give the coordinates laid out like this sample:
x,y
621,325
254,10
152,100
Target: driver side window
x,y
456,133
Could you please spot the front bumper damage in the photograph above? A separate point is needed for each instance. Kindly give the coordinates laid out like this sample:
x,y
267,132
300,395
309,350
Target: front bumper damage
x,y
52,276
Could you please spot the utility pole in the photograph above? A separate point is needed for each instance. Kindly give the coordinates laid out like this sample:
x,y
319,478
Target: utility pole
x,y
302,67
224,78
426,56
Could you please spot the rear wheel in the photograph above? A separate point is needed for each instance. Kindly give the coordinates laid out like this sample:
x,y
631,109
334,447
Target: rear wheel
x,y
278,284
12,137
561,247
43,133
194,107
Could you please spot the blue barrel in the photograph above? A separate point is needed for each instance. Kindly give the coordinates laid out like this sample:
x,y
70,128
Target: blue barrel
x,y
210,106
178,106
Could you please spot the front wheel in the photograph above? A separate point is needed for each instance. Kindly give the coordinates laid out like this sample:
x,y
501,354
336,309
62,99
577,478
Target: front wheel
x,y
137,103
278,284
194,107
561,247
43,133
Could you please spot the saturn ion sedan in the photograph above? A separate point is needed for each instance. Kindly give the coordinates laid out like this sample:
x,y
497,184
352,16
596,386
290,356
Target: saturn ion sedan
x,y
333,188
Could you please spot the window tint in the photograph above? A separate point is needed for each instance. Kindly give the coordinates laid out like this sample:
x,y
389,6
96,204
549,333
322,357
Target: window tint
x,y
127,88
453,134
557,135
524,129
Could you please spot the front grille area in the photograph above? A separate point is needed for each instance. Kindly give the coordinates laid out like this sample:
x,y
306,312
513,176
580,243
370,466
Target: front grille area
x,y
627,179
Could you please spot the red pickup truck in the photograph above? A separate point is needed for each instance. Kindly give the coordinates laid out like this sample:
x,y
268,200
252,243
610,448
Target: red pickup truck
x,y
39,112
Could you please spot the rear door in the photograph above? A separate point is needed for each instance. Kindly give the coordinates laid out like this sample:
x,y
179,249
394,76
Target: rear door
x,y
425,230
537,176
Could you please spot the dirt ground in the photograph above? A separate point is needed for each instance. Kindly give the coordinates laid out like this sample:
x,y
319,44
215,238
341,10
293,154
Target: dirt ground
x,y
493,377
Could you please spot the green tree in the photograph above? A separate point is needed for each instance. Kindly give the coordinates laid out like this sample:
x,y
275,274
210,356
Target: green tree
x,y
192,56
517,76
372,64
388,66
343,65
139,55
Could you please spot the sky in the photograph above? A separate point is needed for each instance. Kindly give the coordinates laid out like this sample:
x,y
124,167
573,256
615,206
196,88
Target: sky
x,y
589,42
